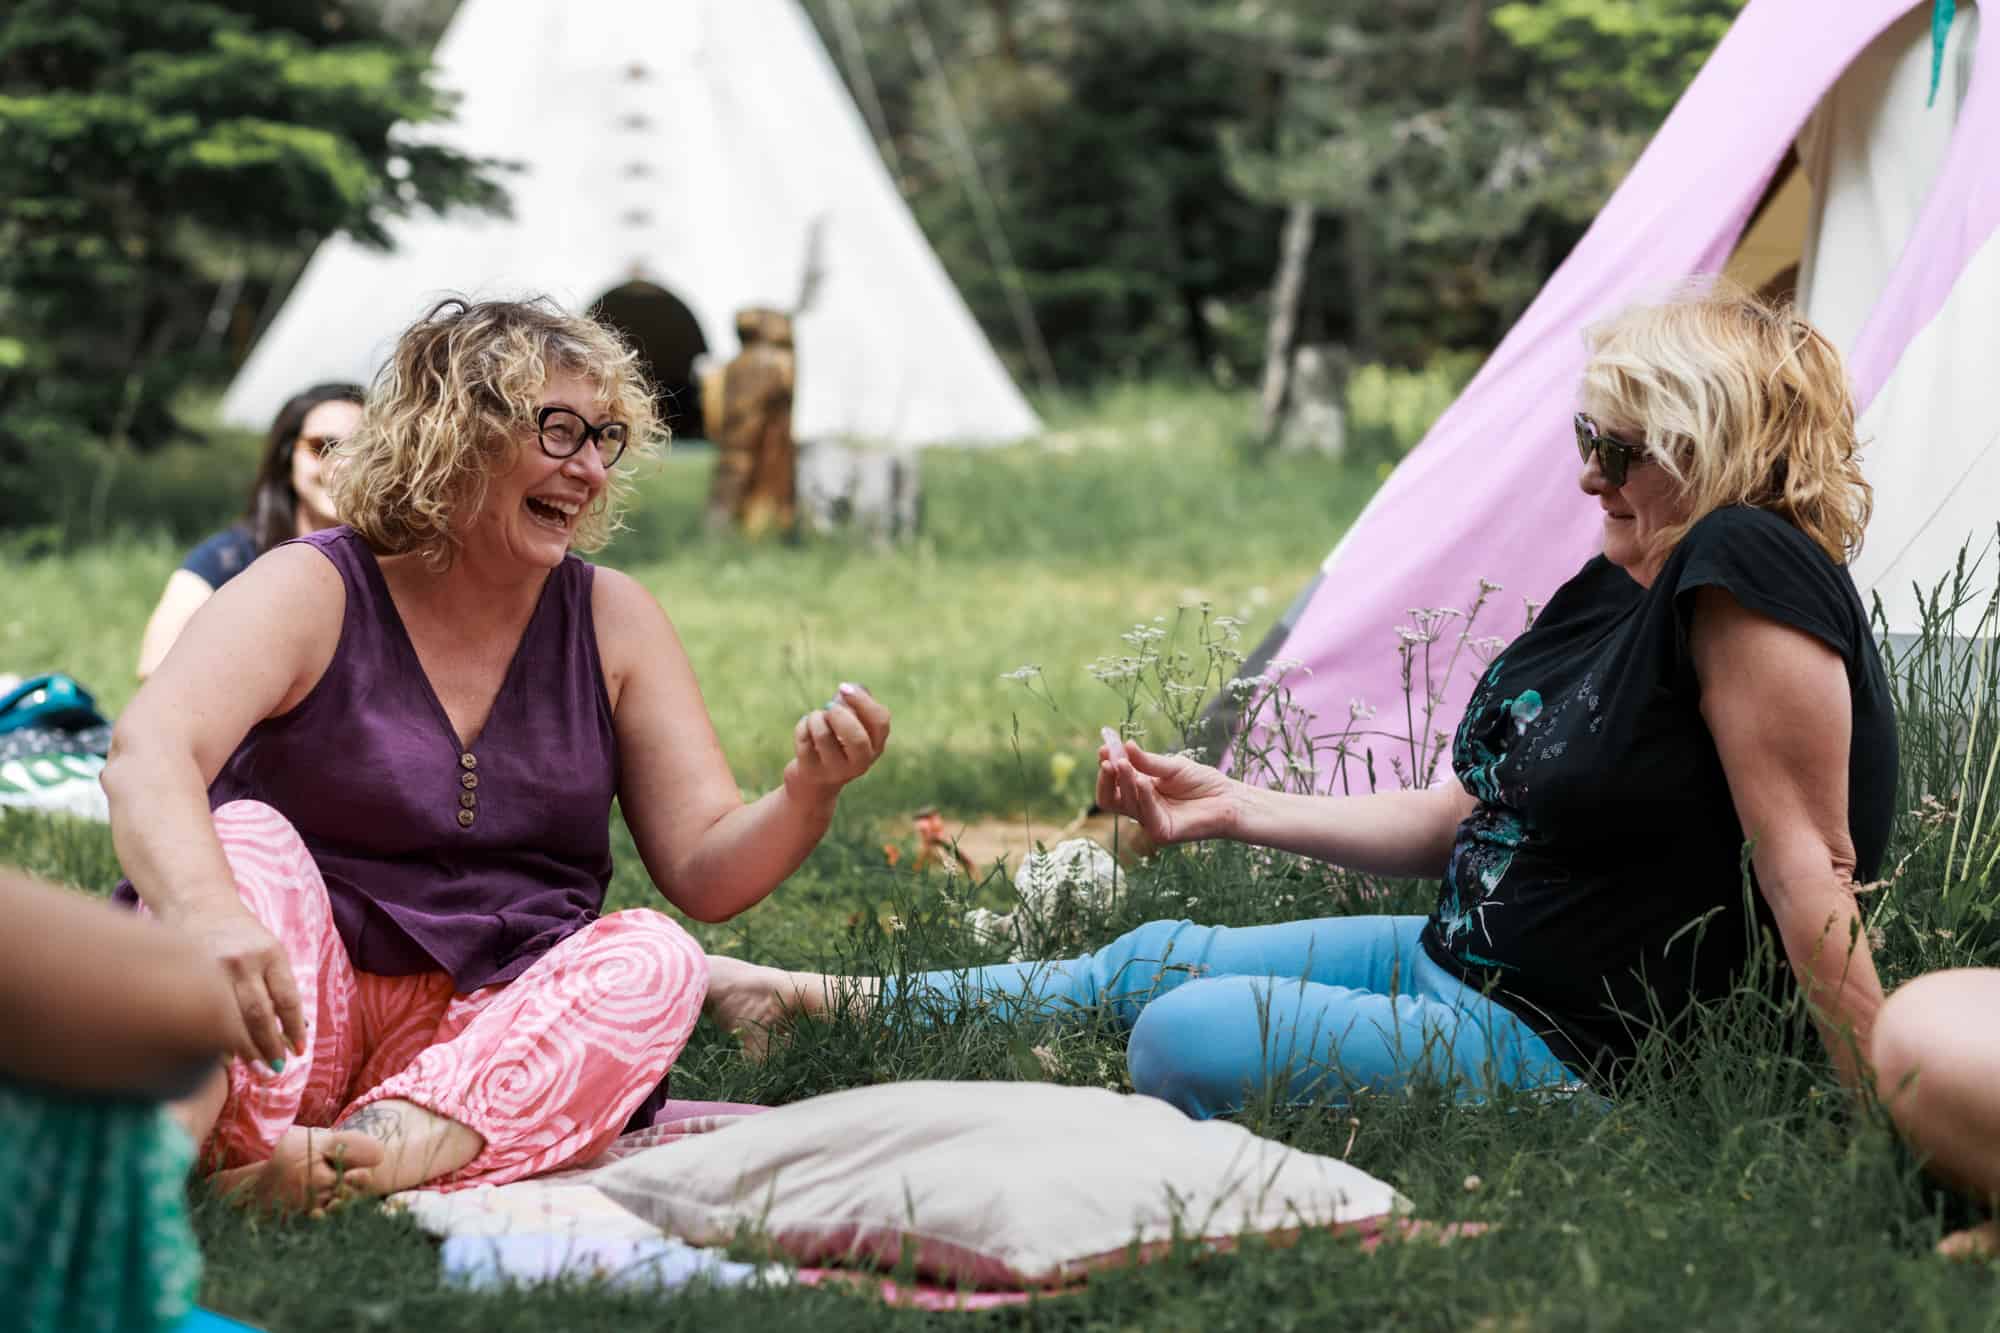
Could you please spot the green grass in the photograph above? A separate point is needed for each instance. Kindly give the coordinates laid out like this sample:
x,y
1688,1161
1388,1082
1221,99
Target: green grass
x,y
1739,1193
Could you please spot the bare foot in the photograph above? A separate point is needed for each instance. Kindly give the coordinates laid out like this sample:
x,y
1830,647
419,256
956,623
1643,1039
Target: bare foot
x,y
753,1003
308,1171
1973,1243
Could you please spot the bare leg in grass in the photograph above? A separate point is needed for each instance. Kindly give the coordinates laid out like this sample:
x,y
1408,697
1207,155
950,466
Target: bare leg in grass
x,y
754,1003
1937,1070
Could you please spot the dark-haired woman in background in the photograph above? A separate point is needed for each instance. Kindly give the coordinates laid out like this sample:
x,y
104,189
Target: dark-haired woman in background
x,y
288,500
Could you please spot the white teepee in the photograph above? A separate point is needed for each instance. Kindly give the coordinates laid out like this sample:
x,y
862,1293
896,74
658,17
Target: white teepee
x,y
688,153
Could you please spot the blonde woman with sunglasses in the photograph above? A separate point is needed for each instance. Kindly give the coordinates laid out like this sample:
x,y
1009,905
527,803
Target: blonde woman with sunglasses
x,y
1708,682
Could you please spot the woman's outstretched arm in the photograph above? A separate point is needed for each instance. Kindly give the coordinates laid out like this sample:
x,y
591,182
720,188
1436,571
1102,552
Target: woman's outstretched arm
x,y
1407,833
709,852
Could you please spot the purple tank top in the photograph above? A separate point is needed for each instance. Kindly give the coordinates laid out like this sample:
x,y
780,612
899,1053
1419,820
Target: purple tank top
x,y
473,862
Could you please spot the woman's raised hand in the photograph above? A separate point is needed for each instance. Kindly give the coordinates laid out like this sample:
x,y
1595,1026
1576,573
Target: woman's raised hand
x,y
1173,799
267,996
836,744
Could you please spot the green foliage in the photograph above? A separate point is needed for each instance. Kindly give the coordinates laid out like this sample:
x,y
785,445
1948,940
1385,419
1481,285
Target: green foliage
x,y
1448,180
1095,132
1625,60
1389,410
1936,904
1138,157
148,151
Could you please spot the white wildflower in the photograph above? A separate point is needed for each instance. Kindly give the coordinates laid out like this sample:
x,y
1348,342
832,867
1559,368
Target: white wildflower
x,y
1112,669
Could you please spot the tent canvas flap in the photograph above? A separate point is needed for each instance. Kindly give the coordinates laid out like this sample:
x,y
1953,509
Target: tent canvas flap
x,y
1491,492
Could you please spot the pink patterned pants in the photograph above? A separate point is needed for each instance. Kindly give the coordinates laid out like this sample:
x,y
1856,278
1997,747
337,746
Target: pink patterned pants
x,y
546,1068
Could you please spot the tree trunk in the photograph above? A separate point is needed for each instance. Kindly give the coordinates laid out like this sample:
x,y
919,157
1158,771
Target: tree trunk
x,y
1294,246
1475,34
1003,26
1363,302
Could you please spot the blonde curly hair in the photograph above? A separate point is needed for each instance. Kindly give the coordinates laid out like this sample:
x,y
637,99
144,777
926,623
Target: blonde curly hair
x,y
454,402
1742,403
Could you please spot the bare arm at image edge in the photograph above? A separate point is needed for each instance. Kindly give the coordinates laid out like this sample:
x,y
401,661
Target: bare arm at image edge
x,y
93,999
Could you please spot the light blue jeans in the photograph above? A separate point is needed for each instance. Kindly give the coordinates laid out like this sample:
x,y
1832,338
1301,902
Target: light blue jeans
x,y
1221,1015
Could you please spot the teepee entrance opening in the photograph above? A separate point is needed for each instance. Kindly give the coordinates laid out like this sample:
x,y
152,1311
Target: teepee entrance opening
x,y
668,340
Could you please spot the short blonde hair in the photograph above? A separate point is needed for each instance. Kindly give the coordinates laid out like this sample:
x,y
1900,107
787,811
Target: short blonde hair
x,y
453,402
1743,403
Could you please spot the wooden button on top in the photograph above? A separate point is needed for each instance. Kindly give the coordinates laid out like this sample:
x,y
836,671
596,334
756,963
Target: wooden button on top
x,y
468,761
468,780
467,799
465,819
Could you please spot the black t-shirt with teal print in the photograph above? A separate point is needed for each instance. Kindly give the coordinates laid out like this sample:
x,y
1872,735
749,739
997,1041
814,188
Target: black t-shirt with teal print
x,y
1605,828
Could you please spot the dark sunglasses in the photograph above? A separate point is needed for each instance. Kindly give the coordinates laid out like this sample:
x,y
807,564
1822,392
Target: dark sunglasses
x,y
562,432
1614,456
317,445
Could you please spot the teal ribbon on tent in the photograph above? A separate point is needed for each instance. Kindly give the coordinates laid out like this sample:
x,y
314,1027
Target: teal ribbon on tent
x,y
1942,14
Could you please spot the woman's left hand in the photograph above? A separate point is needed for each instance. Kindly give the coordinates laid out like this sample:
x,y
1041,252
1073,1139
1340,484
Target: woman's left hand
x,y
836,744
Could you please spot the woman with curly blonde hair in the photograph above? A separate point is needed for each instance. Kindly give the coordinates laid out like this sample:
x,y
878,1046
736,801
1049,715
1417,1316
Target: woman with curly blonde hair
x,y
375,778
1708,681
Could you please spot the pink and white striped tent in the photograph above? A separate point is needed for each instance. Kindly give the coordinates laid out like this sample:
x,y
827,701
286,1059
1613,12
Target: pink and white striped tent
x,y
1898,235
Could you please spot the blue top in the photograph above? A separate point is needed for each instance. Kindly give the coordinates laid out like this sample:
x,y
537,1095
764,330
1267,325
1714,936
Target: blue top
x,y
222,557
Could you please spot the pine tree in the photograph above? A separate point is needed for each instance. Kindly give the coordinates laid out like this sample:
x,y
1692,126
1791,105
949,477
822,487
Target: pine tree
x,y
152,151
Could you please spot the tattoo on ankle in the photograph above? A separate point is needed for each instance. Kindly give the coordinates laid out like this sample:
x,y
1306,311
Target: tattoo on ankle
x,y
376,1121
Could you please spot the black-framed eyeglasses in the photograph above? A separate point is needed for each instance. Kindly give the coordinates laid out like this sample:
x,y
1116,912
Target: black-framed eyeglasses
x,y
562,432
1614,456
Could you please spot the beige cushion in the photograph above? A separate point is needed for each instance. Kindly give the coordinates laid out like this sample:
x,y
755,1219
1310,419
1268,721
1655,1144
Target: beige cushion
x,y
994,1184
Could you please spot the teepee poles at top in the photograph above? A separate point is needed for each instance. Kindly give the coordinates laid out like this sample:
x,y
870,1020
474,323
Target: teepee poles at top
x,y
983,210
854,55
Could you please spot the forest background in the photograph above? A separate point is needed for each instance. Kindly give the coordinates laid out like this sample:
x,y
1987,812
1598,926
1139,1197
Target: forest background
x,y
1109,184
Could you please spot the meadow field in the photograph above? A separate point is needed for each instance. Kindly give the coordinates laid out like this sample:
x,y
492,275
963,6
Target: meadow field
x,y
1734,1187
